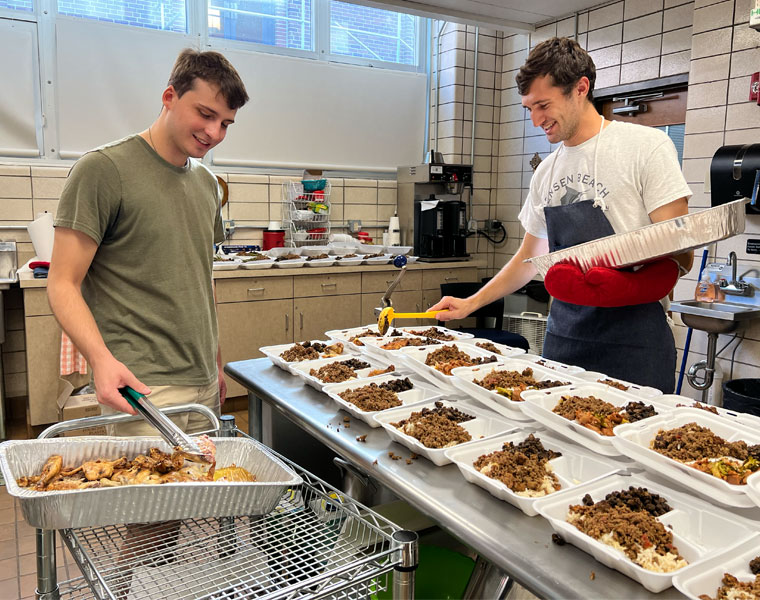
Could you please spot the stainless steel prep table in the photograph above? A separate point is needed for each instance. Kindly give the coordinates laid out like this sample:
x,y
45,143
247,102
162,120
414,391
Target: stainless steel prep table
x,y
519,545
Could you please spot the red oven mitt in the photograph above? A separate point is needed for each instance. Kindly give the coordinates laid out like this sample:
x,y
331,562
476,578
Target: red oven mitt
x,y
602,286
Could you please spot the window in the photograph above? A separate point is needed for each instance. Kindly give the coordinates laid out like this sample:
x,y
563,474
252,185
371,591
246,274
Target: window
x,y
279,23
675,132
373,33
17,4
168,15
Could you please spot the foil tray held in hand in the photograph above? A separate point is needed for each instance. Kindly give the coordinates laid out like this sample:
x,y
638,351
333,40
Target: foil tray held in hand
x,y
652,241
142,503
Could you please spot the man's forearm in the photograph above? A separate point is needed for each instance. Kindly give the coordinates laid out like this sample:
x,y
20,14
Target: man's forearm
x,y
75,318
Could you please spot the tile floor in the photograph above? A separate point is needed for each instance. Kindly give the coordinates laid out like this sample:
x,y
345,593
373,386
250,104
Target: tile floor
x,y
18,562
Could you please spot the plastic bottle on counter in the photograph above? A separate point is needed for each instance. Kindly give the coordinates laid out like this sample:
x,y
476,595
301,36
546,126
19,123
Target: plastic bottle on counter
x,y
708,287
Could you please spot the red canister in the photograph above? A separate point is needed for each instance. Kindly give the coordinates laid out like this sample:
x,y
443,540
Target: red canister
x,y
273,238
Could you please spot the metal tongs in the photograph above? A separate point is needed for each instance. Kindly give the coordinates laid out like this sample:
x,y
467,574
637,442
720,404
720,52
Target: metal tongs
x,y
174,436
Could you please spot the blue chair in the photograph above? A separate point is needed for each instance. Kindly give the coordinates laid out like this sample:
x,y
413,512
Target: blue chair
x,y
489,319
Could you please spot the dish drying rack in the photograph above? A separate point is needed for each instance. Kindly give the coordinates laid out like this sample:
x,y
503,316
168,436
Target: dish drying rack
x,y
298,219
317,543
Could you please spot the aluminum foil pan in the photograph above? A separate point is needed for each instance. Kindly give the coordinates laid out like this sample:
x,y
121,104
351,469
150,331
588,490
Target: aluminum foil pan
x,y
653,241
141,503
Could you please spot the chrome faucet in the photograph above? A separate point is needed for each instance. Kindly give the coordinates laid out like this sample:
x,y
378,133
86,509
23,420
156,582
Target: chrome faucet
x,y
735,287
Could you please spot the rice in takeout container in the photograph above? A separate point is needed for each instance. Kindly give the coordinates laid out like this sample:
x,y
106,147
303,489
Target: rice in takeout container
x,y
141,503
652,241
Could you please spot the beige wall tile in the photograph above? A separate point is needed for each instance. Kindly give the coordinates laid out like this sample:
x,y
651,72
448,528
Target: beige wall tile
x,y
385,212
742,136
640,71
608,36
47,187
45,205
711,43
672,3
745,38
676,41
741,11
566,28
703,120
14,170
695,169
738,89
606,57
745,62
363,212
244,178
514,43
50,171
702,95
16,209
249,211
702,145
742,116
638,8
541,34
248,192
608,15
714,16
386,196
673,64
608,77
15,385
583,22
360,195
14,362
709,69
387,183
512,112
280,179
642,27
678,17
15,187
641,49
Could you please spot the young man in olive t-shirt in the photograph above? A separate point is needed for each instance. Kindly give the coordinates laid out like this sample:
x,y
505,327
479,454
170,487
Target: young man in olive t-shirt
x,y
131,274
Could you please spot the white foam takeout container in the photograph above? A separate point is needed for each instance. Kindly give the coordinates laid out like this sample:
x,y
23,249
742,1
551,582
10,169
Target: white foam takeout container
x,y
700,530
746,419
633,440
226,265
291,264
457,335
321,262
464,379
303,369
485,425
641,391
343,335
695,580
504,350
350,262
373,346
256,264
552,364
539,405
416,356
574,467
418,394
273,353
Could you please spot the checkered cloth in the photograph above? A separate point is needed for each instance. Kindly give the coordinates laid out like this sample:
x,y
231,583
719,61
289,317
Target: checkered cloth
x,y
72,360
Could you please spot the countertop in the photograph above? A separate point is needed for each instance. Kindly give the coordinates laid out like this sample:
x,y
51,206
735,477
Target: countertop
x,y
27,281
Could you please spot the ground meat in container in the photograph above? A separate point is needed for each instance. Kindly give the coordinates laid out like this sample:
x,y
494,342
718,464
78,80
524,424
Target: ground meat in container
x,y
311,351
371,398
318,257
333,373
524,468
637,533
490,346
733,589
404,342
615,384
287,257
706,407
369,333
636,499
511,384
601,416
436,427
434,333
447,358
692,442
397,385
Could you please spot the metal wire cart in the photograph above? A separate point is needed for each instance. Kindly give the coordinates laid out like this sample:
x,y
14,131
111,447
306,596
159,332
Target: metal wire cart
x,y
317,543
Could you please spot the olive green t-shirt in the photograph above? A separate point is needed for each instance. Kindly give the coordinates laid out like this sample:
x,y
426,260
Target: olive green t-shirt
x,y
149,286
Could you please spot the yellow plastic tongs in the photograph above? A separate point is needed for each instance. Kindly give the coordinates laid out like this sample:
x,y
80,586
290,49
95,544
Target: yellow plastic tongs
x,y
387,315
173,435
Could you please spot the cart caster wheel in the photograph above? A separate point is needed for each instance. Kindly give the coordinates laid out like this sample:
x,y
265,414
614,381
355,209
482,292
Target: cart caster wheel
x,y
399,261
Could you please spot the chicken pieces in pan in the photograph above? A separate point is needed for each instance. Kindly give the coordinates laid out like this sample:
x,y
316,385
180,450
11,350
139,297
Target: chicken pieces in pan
x,y
155,467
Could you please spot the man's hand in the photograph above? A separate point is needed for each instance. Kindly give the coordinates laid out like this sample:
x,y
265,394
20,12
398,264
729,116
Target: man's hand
x,y
604,287
458,308
111,376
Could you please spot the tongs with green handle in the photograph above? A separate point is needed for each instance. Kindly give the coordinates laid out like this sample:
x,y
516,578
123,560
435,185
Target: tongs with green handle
x,y
174,436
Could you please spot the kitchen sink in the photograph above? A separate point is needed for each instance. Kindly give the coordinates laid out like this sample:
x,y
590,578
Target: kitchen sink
x,y
714,317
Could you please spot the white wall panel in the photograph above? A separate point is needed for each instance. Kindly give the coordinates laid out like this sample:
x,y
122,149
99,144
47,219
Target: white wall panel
x,y
19,85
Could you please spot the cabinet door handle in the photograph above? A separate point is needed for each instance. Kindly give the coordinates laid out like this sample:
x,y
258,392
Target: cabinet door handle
x,y
256,290
451,278
287,322
329,285
301,315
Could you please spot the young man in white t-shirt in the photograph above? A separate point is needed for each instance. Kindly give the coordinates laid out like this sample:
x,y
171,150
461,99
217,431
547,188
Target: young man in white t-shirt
x,y
604,178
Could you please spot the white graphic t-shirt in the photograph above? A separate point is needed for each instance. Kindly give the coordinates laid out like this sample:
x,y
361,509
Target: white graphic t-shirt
x,y
637,171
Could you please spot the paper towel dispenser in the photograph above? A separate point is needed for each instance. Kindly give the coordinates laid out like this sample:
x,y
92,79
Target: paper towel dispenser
x,y
733,174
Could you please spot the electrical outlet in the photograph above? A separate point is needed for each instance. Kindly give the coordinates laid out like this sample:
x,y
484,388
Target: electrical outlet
x,y
354,226
754,87
493,224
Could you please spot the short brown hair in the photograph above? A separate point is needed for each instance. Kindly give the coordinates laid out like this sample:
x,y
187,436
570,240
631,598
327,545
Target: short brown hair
x,y
564,60
211,67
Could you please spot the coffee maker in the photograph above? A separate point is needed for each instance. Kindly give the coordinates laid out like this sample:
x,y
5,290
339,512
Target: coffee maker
x,y
432,214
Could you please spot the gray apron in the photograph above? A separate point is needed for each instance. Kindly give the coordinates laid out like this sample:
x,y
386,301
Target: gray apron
x,y
632,343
